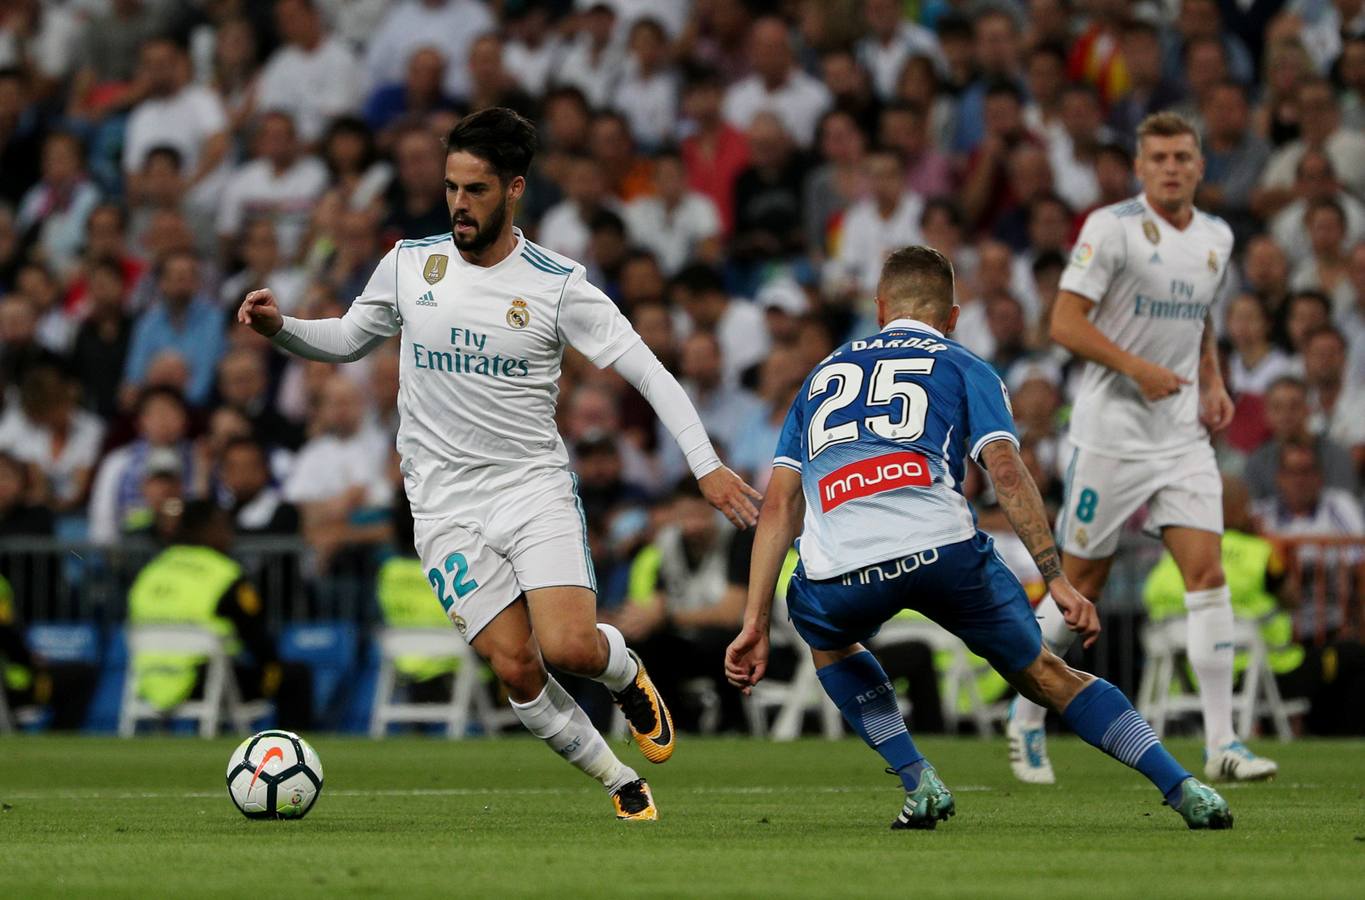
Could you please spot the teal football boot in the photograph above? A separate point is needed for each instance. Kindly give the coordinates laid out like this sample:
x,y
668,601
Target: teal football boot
x,y
927,805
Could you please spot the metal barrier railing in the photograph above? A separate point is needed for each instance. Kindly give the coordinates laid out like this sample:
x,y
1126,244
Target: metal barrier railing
x,y
1326,586
56,580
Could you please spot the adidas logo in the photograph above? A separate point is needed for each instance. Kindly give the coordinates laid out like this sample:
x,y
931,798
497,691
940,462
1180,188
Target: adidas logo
x,y
1155,260
427,299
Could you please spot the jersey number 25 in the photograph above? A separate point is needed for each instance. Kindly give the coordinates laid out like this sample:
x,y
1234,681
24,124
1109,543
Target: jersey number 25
x,y
882,389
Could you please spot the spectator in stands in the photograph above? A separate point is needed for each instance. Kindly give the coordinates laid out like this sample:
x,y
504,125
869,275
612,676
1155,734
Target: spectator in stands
x,y
1351,72
738,325
54,329
108,55
1265,271
1338,407
1352,321
159,186
249,493
20,349
592,61
1320,129
836,182
57,440
183,319
1307,312
780,377
996,52
313,76
490,83
162,421
1304,506
768,211
357,177
101,344
1255,362
263,267
1287,412
849,85
533,47
179,114
1315,181
905,127
1206,67
411,25
340,477
629,174
873,227
1234,156
1201,20
416,201
716,152
195,582
891,39
565,227
420,92
686,597
777,86
676,224
54,211
1072,153
280,185
1149,90
244,385
986,189
1324,270
21,135
1030,178
647,93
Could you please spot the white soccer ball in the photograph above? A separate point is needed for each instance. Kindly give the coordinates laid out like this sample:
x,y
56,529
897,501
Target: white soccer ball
x,y
274,775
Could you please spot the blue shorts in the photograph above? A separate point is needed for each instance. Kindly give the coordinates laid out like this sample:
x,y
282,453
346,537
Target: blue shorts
x,y
964,587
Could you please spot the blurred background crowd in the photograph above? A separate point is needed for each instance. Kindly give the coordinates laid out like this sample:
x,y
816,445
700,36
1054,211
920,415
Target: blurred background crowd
x,y
731,172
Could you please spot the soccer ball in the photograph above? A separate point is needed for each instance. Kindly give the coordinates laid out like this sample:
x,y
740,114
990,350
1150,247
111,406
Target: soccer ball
x,y
274,775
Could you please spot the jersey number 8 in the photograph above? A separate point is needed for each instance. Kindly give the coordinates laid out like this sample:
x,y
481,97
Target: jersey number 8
x,y
881,390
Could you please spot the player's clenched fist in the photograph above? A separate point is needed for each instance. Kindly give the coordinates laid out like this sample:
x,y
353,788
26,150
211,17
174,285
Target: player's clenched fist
x,y
1156,382
730,494
746,659
261,312
1078,612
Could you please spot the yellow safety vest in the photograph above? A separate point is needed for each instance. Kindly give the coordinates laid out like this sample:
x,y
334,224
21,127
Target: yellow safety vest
x,y
406,601
16,677
182,586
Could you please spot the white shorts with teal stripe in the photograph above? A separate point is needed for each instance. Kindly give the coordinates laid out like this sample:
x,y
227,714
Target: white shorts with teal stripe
x,y
478,561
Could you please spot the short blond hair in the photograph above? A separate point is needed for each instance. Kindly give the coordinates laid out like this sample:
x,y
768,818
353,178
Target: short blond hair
x,y
917,279
1167,124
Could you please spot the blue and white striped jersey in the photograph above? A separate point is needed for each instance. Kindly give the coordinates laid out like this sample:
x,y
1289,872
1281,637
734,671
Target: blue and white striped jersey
x,y
880,432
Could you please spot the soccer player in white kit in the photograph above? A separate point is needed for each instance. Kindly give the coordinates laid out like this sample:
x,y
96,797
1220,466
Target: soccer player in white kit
x,y
485,315
1136,304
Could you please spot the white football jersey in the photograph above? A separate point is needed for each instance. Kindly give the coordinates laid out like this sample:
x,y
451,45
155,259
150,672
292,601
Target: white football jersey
x,y
480,368
1153,286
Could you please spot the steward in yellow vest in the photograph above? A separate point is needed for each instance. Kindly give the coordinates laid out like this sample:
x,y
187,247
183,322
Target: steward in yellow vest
x,y
195,582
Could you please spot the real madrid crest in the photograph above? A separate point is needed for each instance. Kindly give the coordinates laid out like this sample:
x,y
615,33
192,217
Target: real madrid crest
x,y
1082,538
1213,262
518,316
460,624
435,268
1151,231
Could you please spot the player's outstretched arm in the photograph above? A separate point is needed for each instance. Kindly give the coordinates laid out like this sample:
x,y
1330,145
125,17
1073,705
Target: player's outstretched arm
x,y
784,506
1023,506
721,487
1071,328
326,340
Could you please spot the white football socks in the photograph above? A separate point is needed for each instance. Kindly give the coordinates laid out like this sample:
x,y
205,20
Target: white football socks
x,y
621,668
1057,638
1210,650
557,720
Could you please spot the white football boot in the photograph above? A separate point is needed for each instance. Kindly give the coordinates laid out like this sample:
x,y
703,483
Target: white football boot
x,y
1234,762
1028,753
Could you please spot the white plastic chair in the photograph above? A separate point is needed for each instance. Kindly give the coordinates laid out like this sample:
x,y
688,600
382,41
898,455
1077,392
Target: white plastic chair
x,y
791,699
955,685
222,699
467,701
1162,695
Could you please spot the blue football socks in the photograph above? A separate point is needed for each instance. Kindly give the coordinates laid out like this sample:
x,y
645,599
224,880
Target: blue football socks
x,y
1104,718
859,687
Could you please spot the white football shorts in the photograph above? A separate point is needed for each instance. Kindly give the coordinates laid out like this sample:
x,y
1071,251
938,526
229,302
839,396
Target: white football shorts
x,y
479,561
1103,492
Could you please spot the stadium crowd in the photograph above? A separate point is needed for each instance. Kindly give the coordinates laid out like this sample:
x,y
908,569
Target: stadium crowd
x,y
731,172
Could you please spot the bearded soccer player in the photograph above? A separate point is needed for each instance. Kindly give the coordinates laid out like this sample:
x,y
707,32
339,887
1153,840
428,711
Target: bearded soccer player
x,y
868,471
1136,304
485,315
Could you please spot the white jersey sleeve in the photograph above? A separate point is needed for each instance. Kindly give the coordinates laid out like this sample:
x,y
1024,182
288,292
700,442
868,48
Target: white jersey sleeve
x,y
372,319
590,323
1100,255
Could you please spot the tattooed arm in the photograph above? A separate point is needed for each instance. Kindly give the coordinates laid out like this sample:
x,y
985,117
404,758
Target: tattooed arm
x,y
1023,506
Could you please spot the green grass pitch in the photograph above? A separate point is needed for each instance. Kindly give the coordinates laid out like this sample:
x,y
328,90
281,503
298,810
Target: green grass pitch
x,y
423,817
